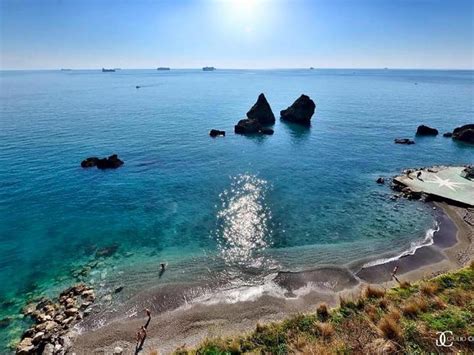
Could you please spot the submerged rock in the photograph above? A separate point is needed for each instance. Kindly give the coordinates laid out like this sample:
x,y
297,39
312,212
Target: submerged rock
x,y
404,141
215,133
261,111
380,180
107,251
448,134
300,111
426,131
464,133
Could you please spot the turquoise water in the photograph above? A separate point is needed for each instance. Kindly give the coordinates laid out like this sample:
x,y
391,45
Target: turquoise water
x,y
242,205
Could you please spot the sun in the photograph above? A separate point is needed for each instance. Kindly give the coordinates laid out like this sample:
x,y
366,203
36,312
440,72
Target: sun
x,y
243,7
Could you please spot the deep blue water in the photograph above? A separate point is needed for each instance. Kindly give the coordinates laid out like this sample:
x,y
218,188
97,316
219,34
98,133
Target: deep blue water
x,y
246,205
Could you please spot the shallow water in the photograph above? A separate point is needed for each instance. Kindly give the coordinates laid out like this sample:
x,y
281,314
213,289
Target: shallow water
x,y
234,208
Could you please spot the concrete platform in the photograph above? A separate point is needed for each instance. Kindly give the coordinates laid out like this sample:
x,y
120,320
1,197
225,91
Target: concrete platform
x,y
442,182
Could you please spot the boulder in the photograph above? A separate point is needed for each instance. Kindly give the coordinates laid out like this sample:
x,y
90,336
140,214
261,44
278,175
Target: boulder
x,y
247,126
89,162
426,131
118,350
464,133
112,162
25,347
448,134
300,112
261,111
404,141
215,133
380,180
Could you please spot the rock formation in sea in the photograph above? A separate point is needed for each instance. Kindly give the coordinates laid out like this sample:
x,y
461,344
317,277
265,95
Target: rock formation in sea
x,y
216,133
448,134
300,111
259,116
248,126
403,141
261,111
426,131
464,133
112,162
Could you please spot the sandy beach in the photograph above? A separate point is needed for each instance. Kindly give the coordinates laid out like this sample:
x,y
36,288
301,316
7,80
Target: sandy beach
x,y
188,325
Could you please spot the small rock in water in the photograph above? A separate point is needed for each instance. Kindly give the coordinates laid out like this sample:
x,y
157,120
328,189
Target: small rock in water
x,y
403,141
380,180
448,134
118,289
426,131
464,133
112,162
215,133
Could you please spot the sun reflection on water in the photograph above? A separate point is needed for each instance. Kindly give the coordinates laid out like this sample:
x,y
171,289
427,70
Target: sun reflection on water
x,y
243,222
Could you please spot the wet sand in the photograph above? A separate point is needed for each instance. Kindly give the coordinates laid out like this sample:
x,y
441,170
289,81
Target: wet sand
x,y
191,323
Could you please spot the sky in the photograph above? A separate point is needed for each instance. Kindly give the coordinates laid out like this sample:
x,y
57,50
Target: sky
x,y
83,34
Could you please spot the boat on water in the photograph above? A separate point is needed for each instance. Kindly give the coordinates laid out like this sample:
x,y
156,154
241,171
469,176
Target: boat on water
x,y
104,70
208,69
163,68
65,69
311,68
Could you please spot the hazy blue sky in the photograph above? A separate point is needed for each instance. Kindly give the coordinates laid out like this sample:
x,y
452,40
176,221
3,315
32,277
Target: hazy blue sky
x,y
237,33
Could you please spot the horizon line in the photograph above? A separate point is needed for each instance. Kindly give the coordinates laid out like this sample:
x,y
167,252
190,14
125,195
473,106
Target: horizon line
x,y
258,68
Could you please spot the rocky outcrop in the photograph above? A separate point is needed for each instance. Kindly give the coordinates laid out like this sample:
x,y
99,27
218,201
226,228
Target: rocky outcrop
x,y
426,131
112,162
464,133
53,320
300,111
380,180
215,133
249,126
403,141
261,111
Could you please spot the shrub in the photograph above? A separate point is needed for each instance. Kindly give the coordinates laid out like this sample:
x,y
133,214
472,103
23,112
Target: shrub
x,y
326,330
410,309
373,292
322,312
429,288
389,328
405,284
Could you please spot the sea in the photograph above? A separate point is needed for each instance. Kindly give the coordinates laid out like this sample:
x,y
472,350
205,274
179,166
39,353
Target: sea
x,y
227,211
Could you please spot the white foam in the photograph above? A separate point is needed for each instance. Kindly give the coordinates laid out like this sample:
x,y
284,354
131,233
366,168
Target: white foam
x,y
414,246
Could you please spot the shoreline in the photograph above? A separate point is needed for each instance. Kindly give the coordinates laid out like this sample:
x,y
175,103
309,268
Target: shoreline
x,y
189,324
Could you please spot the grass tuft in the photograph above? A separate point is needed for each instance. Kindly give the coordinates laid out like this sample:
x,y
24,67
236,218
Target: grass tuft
x,y
322,312
373,292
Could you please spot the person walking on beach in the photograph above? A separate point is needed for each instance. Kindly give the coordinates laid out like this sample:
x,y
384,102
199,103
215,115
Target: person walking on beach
x,y
141,334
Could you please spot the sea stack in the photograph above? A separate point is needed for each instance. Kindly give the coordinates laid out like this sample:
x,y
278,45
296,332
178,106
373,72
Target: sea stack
x,y
464,133
300,112
261,111
259,116
426,131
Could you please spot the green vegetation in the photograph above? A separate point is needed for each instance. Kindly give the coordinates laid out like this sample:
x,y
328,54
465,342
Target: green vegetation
x,y
404,319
